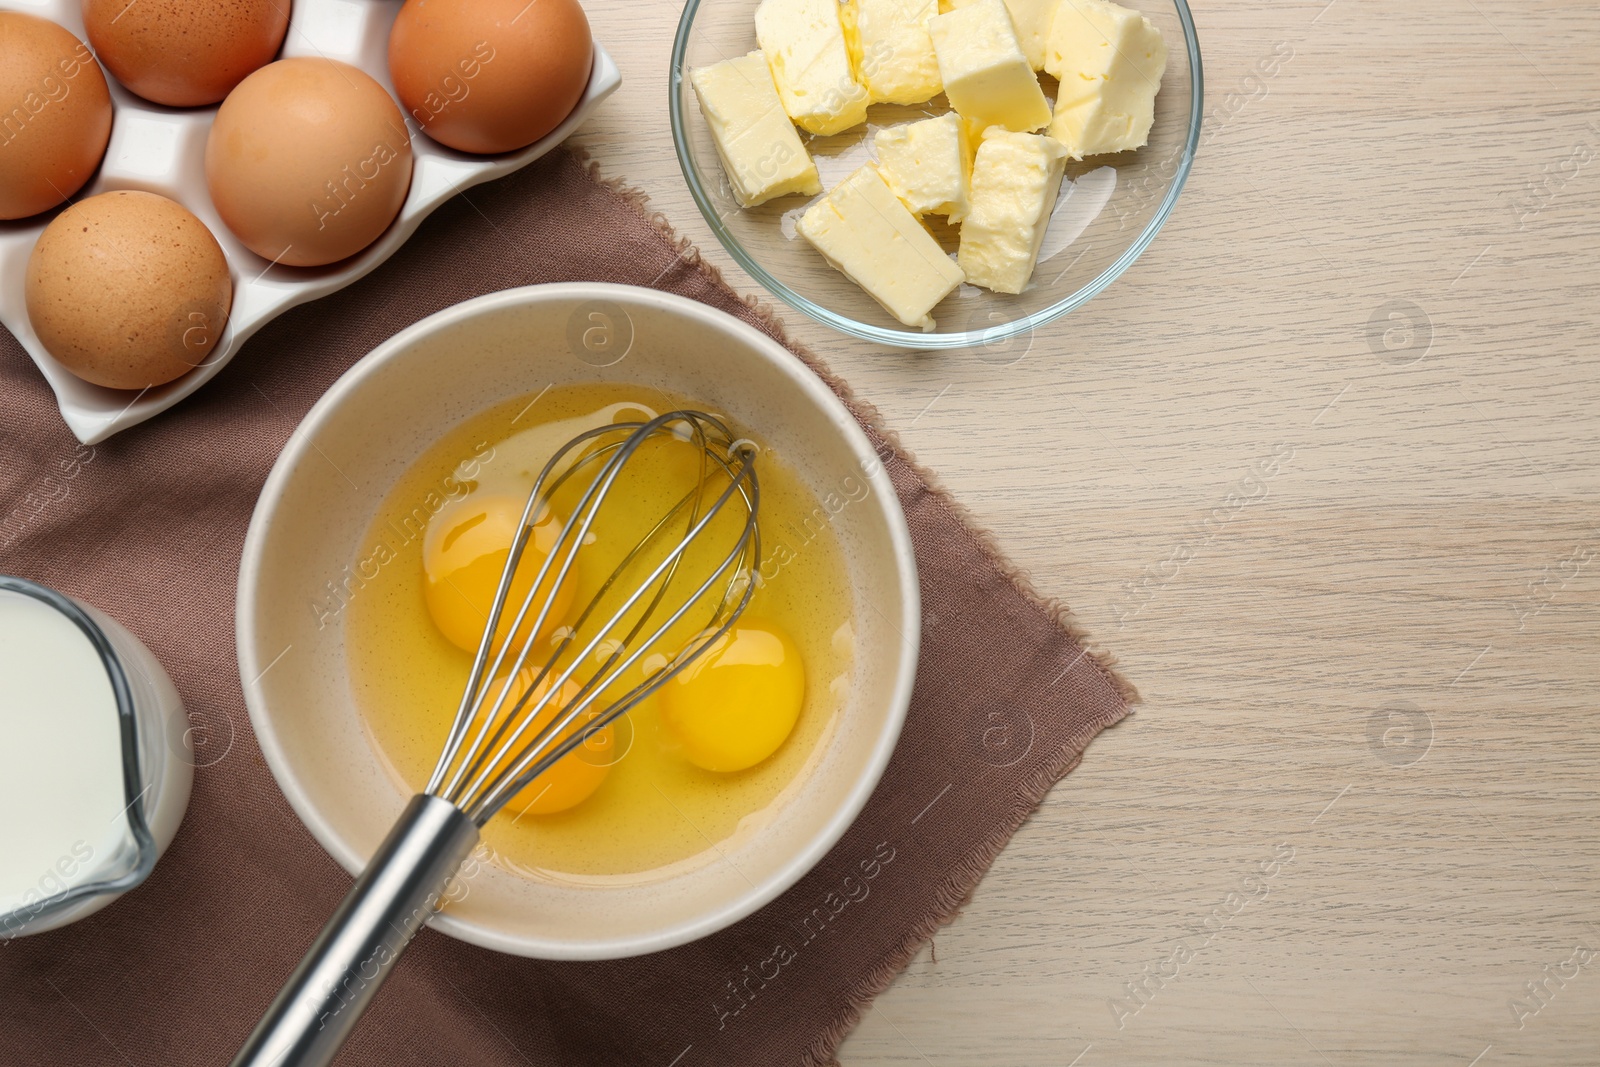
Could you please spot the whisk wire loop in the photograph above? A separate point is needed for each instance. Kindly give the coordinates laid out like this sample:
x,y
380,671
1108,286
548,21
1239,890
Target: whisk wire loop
x,y
515,741
471,694
576,532
524,768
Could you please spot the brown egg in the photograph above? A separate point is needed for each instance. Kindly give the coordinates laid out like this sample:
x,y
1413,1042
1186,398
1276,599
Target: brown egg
x,y
184,52
55,115
128,289
308,161
490,75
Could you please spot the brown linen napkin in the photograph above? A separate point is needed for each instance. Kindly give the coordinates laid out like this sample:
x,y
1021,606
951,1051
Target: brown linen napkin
x,y
148,527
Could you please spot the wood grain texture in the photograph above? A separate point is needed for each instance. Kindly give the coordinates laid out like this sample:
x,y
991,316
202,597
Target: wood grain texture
x,y
1386,663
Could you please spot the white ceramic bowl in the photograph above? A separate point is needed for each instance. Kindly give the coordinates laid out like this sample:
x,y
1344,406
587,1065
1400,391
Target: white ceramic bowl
x,y
353,447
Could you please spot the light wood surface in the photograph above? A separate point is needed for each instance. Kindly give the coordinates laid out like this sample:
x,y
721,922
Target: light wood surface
x,y
1387,661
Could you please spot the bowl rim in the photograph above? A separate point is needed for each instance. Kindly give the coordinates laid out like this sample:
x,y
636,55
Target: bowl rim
x,y
912,338
304,440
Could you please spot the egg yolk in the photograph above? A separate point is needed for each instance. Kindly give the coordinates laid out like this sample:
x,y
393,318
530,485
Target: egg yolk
x,y
464,552
574,777
731,708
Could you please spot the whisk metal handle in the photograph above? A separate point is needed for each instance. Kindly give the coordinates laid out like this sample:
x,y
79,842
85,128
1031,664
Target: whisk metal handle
x,y
401,888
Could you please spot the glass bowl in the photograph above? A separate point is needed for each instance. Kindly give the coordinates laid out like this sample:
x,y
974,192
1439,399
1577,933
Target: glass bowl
x,y
1109,211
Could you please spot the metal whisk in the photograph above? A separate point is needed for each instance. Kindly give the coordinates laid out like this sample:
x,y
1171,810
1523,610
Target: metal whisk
x,y
503,736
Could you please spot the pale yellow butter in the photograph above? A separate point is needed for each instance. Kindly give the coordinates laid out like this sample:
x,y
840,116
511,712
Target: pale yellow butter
x,y
986,75
760,151
865,232
974,131
1016,178
892,51
1030,19
1109,61
805,47
926,164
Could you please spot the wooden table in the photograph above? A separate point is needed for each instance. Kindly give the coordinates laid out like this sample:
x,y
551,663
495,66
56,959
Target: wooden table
x,y
1368,693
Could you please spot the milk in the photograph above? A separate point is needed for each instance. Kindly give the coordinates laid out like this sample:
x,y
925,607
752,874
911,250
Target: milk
x,y
62,791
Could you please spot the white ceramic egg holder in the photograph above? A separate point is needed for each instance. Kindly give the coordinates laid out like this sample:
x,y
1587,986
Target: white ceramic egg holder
x,y
162,150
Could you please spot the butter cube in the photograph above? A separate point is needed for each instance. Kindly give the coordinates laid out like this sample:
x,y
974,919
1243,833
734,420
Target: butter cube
x,y
986,75
974,131
1031,19
760,151
865,232
892,51
1015,181
1109,61
804,43
926,164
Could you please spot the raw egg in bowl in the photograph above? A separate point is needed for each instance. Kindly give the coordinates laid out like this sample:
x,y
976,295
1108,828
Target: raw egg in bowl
x,y
371,558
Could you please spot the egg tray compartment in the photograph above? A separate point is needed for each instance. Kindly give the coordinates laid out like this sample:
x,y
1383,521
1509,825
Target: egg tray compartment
x,y
162,150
